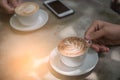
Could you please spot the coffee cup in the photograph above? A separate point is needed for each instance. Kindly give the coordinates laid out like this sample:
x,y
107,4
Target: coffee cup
x,y
27,13
73,51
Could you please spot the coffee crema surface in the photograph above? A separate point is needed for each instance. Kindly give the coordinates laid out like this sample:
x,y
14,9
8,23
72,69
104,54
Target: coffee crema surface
x,y
27,8
72,46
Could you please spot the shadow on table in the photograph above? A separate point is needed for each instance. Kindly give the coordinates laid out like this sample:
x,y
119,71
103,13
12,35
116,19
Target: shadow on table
x,y
108,65
64,77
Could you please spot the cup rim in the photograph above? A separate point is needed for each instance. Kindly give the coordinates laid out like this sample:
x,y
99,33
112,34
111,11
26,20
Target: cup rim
x,y
84,52
37,8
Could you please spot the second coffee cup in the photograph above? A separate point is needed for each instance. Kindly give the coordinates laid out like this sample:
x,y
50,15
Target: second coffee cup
x,y
27,13
73,51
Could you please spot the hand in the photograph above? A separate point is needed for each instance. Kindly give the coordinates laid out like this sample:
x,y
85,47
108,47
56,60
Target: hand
x,y
8,6
103,34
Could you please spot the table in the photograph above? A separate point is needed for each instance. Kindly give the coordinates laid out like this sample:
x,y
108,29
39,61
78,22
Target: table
x,y
24,55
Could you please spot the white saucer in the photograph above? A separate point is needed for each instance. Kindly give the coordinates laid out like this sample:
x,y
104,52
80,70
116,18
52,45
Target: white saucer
x,y
42,20
89,64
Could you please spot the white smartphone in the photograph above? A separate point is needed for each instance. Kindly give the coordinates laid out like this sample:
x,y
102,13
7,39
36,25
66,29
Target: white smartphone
x,y
58,8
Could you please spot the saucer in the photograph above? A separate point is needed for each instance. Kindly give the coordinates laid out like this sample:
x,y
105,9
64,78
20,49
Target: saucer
x,y
42,20
88,64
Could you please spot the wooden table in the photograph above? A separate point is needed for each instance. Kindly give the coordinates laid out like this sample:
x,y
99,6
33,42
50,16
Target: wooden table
x,y
24,55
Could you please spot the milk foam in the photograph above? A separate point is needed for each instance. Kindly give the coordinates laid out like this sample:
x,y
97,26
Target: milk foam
x,y
28,9
72,47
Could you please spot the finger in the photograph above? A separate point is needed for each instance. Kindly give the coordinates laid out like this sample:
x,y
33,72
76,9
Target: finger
x,y
96,26
103,48
7,7
107,42
97,35
100,48
95,47
13,3
20,1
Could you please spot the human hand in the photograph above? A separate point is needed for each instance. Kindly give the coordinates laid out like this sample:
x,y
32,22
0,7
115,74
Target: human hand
x,y
8,6
102,34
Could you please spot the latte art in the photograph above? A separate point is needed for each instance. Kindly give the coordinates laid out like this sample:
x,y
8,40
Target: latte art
x,y
27,8
72,46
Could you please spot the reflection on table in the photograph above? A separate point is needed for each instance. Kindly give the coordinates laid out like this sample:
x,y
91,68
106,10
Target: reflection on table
x,y
24,55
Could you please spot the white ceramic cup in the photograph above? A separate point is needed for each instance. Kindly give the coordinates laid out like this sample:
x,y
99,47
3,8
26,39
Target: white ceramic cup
x,y
76,60
73,61
30,14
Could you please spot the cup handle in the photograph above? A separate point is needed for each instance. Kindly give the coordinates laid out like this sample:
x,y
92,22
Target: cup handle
x,y
89,42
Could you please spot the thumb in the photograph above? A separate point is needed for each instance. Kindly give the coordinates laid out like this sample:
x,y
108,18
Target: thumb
x,y
96,35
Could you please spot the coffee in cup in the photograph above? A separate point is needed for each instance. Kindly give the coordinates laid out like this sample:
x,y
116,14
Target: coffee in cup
x,y
27,13
73,51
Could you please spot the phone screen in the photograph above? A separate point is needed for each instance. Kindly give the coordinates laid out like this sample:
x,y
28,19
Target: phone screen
x,y
58,7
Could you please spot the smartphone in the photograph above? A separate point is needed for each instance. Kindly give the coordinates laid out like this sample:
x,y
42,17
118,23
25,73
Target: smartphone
x,y
58,8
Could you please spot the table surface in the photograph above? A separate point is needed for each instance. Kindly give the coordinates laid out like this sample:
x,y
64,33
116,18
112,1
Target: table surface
x,y
24,55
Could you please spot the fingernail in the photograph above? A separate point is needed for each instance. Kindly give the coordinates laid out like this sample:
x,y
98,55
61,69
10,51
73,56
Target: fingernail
x,y
108,49
87,37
